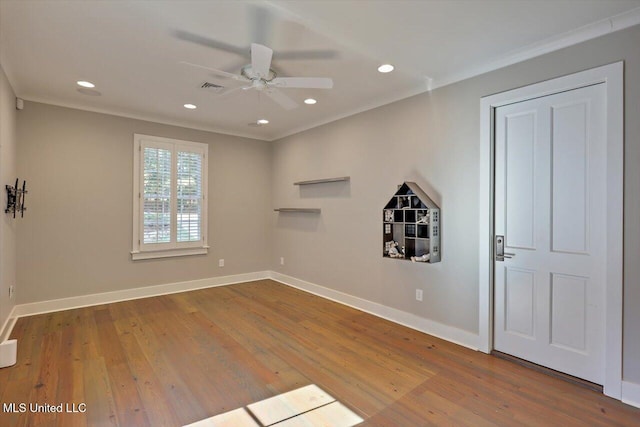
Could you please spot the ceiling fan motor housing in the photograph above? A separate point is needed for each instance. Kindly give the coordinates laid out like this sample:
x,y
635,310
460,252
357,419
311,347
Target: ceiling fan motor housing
x,y
247,71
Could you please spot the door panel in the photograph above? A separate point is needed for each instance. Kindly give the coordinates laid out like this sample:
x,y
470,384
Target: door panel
x,y
519,212
569,311
569,151
520,301
550,163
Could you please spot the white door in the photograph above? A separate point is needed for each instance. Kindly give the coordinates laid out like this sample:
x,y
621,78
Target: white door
x,y
550,193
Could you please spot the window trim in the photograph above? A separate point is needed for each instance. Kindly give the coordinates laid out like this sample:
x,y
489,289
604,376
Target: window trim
x,y
141,251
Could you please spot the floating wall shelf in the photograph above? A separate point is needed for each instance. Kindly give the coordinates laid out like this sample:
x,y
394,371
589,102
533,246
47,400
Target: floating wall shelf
x,y
322,181
301,210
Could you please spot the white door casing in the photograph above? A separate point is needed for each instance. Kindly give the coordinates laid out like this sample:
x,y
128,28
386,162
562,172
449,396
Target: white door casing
x,y
612,78
550,161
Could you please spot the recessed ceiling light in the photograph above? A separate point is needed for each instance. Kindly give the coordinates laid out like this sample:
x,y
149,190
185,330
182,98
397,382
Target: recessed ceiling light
x,y
84,83
310,101
190,106
262,121
385,68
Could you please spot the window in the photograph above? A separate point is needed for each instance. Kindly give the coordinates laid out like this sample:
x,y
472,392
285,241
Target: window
x,y
169,197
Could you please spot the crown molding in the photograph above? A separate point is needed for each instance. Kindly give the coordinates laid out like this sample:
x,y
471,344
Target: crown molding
x,y
570,38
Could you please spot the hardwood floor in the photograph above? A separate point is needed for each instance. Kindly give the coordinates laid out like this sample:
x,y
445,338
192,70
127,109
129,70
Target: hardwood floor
x,y
176,359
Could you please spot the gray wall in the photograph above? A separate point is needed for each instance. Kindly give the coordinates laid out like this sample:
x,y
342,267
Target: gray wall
x,y
75,238
7,176
432,139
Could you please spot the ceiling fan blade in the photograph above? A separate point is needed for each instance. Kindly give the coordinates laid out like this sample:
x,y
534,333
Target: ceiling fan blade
x,y
206,41
261,24
219,73
227,91
281,99
302,82
290,30
307,54
260,59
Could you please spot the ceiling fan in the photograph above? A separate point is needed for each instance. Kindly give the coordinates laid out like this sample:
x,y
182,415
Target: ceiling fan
x,y
260,76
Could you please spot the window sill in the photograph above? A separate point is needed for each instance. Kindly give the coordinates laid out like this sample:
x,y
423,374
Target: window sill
x,y
138,255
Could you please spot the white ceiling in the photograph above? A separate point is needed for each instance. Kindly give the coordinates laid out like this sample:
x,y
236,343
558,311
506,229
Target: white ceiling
x,y
132,50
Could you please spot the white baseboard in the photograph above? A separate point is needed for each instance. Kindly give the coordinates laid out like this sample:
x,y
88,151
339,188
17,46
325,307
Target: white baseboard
x,y
42,307
448,333
6,329
631,393
439,330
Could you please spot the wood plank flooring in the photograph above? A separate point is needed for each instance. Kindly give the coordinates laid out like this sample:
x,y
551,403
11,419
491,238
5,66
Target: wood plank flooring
x,y
176,359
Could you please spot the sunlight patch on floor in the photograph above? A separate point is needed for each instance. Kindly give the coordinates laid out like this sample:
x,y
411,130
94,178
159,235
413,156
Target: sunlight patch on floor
x,y
236,418
307,406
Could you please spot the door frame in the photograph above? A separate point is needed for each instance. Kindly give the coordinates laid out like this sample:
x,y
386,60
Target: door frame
x,y
612,77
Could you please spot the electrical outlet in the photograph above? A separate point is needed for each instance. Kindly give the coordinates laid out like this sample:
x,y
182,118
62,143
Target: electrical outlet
x,y
418,294
221,262
281,260
12,292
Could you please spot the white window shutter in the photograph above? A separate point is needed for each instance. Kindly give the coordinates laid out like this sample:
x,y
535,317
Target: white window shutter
x,y
170,214
156,195
189,197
